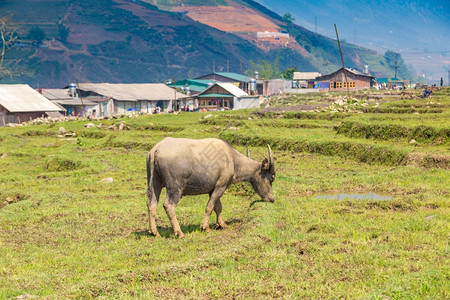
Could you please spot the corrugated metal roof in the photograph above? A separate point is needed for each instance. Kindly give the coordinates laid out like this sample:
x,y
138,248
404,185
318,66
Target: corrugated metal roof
x,y
195,85
23,98
229,87
234,76
56,94
350,70
215,95
74,102
306,75
132,91
387,79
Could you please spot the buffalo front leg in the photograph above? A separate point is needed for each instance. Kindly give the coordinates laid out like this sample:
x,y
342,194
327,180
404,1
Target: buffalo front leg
x,y
214,197
169,206
218,211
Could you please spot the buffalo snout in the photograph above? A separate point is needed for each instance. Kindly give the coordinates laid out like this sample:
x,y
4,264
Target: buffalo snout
x,y
269,199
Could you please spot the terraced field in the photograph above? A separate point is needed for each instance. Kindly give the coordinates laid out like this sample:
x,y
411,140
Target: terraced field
x,y
361,210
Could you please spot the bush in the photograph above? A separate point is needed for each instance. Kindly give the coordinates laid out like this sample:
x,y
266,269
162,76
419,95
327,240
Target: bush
x,y
56,164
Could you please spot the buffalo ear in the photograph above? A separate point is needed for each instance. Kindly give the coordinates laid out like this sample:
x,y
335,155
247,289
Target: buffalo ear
x,y
265,164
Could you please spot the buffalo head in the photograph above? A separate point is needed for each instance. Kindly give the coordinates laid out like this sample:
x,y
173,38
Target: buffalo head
x,y
262,182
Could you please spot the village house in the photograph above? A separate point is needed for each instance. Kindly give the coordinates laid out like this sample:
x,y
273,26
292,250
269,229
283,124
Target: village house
x,y
72,103
336,81
226,96
241,81
20,103
305,79
139,97
191,87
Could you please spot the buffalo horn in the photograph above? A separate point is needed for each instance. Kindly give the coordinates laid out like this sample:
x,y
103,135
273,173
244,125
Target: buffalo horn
x,y
248,153
271,160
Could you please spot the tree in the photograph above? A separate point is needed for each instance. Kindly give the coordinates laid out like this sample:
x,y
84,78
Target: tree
x,y
63,33
36,34
397,66
288,18
265,68
8,36
289,73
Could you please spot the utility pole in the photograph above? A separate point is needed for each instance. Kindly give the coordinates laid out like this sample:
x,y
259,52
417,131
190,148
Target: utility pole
x,y
214,66
343,66
240,62
228,65
81,98
396,68
174,94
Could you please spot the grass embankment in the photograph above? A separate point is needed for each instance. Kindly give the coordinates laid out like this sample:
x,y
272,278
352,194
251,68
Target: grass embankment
x,y
66,234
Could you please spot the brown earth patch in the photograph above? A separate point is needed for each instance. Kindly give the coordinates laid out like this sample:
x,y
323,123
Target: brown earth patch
x,y
429,160
229,18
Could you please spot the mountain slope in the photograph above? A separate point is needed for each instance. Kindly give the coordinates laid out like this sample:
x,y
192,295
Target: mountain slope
x,y
416,29
134,41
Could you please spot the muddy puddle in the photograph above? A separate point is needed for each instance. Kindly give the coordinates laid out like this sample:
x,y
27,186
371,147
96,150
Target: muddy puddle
x,y
367,196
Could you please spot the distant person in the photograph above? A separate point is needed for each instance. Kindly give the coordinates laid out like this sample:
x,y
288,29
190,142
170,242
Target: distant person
x,y
426,93
442,82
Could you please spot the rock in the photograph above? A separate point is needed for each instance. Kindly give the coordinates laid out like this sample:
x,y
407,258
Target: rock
x,y
89,125
4,155
233,128
430,217
107,180
121,126
61,131
207,116
413,141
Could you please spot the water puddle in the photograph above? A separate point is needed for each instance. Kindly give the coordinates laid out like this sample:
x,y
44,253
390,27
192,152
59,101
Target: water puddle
x,y
368,196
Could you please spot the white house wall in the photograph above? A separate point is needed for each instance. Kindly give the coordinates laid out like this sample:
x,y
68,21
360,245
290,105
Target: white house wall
x,y
247,102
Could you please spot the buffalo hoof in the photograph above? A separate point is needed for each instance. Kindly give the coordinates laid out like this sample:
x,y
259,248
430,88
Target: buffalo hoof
x,y
205,227
180,235
221,225
154,233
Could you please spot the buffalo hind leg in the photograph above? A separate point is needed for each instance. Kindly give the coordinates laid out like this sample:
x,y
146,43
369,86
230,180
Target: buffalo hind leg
x,y
169,205
218,210
214,197
154,191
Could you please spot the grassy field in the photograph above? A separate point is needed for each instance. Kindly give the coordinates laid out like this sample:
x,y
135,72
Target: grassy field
x,y
64,233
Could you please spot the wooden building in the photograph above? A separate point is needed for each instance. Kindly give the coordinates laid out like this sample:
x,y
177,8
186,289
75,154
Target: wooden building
x,y
72,103
336,81
226,96
20,103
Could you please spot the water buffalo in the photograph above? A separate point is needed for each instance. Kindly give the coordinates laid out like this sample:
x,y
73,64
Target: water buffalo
x,y
194,167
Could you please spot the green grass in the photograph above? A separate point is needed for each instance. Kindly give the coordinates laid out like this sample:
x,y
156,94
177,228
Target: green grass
x,y
66,234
